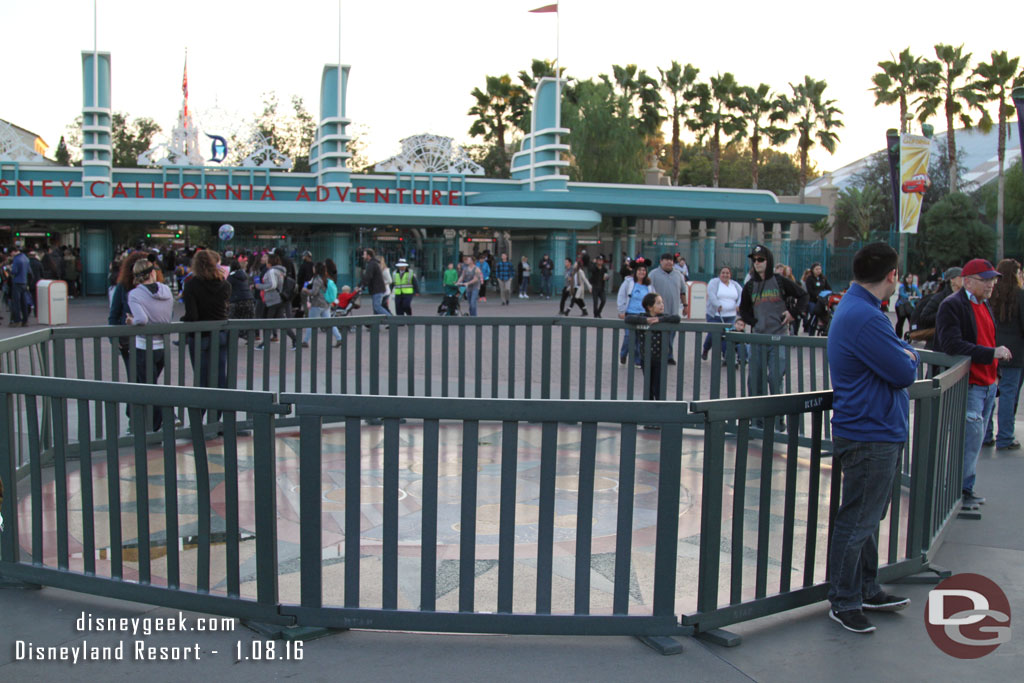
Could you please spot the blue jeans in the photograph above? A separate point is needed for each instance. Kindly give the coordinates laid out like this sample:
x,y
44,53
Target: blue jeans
x,y
378,304
1006,410
980,401
638,350
472,294
545,285
730,319
19,302
778,361
201,365
868,470
141,370
317,312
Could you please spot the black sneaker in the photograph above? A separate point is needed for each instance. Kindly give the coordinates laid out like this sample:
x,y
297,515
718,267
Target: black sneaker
x,y
968,502
973,497
852,620
671,361
884,602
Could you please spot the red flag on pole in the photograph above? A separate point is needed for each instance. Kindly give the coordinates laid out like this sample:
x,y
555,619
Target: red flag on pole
x,y
184,84
545,8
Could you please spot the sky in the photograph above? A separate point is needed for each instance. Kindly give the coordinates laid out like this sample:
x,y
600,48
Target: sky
x,y
415,63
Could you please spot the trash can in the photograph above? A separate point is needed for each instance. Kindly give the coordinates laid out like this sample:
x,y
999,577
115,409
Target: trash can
x,y
697,296
52,302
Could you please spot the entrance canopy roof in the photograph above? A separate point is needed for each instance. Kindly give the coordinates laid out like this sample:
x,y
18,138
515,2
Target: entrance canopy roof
x,y
660,202
337,213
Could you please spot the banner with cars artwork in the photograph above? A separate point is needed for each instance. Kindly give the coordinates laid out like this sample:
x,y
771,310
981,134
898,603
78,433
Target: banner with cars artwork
x,y
914,180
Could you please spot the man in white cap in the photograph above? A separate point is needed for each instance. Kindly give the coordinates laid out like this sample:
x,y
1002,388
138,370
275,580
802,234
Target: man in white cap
x,y
404,288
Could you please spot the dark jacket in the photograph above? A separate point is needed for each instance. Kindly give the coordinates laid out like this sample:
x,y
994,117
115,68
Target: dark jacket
x,y
771,294
1011,334
640,320
956,333
815,285
373,277
205,299
929,307
241,286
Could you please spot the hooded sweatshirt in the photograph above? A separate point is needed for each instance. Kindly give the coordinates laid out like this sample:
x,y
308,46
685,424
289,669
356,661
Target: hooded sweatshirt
x,y
763,301
150,304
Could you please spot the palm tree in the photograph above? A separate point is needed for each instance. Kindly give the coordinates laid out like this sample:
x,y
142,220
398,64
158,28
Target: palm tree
x,y
639,101
860,211
497,110
816,119
901,79
957,97
995,81
760,110
715,114
677,80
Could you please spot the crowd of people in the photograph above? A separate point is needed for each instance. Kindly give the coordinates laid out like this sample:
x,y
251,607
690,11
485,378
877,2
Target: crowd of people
x,y
22,267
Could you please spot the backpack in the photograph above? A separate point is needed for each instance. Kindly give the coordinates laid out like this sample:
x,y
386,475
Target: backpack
x,y
288,287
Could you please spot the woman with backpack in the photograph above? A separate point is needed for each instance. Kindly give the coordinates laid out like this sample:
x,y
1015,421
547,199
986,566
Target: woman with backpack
x,y
321,293
272,286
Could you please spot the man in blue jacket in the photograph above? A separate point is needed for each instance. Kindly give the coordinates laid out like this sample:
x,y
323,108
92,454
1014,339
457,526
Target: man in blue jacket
x,y
871,369
20,276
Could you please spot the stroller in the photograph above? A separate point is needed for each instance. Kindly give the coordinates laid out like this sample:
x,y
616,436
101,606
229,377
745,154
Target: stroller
x,y
818,322
345,303
451,304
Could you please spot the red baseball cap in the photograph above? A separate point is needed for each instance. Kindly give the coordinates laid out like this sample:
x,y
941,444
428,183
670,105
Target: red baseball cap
x,y
979,267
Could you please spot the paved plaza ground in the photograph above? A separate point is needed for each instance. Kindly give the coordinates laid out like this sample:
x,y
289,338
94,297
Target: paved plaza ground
x,y
802,643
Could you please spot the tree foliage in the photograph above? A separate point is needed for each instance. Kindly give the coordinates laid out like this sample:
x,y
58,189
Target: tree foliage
x,y
860,212
955,93
677,80
951,232
814,120
715,115
499,108
905,80
129,139
62,156
289,133
605,145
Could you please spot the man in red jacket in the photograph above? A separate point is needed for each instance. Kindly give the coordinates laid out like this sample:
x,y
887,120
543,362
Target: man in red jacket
x,y
964,327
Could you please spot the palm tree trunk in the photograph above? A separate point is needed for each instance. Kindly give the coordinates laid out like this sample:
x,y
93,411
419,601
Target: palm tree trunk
x,y
716,151
675,146
951,144
903,114
1001,186
803,170
755,141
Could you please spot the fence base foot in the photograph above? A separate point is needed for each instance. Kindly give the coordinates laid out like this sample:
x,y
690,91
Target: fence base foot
x,y
968,514
721,637
14,583
662,644
931,575
279,632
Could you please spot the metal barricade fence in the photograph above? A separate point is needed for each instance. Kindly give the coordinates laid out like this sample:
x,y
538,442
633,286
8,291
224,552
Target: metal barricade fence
x,y
566,427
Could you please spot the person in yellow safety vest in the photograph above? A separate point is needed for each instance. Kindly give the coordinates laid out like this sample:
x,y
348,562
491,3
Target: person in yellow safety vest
x,y
404,288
